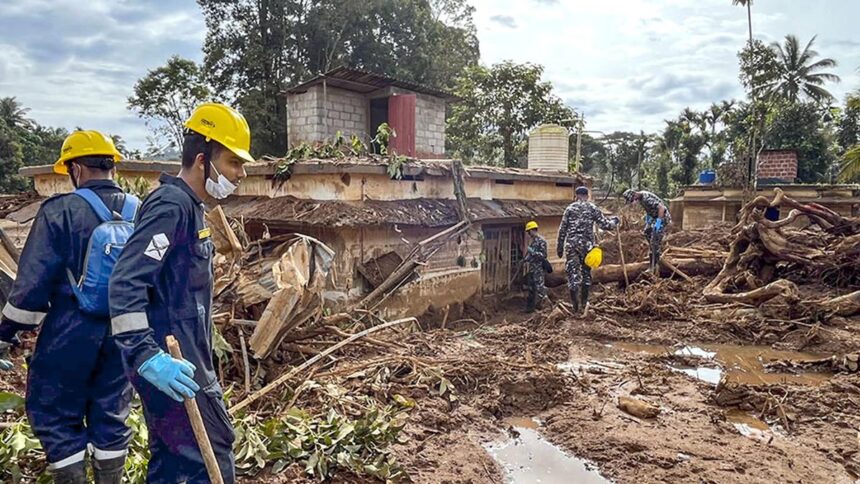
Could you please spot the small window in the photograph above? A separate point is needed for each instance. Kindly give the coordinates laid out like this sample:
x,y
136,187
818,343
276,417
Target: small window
x,y
504,182
412,178
564,184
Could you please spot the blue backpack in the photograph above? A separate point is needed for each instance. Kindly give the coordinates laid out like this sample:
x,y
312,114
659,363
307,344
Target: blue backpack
x,y
103,250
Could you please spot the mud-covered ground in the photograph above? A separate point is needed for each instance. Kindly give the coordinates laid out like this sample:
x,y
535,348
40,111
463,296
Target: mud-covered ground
x,y
568,372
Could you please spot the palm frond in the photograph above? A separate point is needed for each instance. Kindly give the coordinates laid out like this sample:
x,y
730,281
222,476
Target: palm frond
x,y
849,169
822,76
822,64
817,94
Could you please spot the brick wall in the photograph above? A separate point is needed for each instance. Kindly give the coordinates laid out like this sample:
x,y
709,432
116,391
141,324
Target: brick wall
x,y
316,117
429,126
778,164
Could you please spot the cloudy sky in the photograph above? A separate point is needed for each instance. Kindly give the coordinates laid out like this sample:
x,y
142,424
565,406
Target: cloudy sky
x,y
627,64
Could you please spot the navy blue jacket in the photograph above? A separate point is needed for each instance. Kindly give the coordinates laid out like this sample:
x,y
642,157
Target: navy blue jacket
x,y
57,241
162,283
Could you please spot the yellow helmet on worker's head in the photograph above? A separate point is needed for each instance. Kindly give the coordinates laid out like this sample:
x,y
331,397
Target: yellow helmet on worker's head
x,y
84,143
224,125
532,225
594,258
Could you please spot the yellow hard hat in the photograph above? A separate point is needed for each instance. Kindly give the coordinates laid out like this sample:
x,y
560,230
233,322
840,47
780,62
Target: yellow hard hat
x,y
531,225
84,143
594,258
224,125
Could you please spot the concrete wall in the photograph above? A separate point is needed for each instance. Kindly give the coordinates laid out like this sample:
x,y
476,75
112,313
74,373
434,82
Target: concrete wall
x,y
52,184
703,207
381,187
318,115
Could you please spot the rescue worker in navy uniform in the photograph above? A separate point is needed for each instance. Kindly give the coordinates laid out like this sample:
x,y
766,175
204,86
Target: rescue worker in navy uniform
x,y
162,285
77,394
535,258
576,239
657,218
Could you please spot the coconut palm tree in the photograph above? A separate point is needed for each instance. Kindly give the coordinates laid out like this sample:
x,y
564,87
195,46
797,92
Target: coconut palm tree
x,y
748,5
14,113
799,74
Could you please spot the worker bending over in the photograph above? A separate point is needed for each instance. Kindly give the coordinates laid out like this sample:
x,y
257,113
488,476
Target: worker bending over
x,y
537,263
657,218
576,240
77,394
162,285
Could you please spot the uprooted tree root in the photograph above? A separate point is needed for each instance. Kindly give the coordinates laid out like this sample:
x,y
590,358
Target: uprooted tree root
x,y
765,253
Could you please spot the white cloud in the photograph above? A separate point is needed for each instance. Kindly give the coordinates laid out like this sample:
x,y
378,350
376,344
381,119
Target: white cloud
x,y
627,64
630,64
75,63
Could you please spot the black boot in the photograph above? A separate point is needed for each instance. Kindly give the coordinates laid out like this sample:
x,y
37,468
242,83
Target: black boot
x,y
586,289
109,471
73,474
574,298
531,301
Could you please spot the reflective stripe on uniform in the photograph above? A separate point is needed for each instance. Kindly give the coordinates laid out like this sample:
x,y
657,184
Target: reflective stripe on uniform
x,y
99,454
74,459
22,316
125,323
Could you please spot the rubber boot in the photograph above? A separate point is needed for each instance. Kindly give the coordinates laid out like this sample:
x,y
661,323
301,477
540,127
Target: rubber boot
x,y
586,289
531,301
574,298
109,471
73,474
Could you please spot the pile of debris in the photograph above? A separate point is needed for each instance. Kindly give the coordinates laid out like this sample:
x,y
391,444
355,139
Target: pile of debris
x,y
768,258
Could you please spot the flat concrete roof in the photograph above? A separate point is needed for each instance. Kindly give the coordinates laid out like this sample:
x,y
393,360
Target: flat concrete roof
x,y
441,168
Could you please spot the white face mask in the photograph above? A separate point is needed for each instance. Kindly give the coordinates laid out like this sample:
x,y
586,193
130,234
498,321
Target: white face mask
x,y
220,189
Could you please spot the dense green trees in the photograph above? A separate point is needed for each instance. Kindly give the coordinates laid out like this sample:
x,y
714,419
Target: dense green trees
x,y
499,106
23,142
254,49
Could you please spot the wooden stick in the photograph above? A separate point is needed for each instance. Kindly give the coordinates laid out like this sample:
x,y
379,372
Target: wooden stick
x,y
247,365
623,264
197,423
674,269
285,377
445,319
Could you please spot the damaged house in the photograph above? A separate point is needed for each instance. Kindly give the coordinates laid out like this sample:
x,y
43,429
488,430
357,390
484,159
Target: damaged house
x,y
372,220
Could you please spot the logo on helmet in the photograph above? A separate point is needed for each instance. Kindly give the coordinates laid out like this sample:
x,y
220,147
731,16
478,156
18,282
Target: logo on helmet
x,y
206,122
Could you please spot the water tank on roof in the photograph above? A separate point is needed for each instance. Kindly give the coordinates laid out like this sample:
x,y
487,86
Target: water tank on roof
x,y
548,148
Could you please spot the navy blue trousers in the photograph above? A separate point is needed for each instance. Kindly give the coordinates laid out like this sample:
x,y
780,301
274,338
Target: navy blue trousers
x,y
175,456
77,392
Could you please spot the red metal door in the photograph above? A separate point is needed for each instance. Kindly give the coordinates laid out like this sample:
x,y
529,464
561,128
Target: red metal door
x,y
401,118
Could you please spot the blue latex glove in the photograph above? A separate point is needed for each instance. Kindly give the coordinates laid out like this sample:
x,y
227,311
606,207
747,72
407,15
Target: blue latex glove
x,y
171,376
615,220
658,225
648,220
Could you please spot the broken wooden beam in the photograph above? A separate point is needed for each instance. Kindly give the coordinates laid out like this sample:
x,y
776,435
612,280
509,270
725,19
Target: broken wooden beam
x,y
285,377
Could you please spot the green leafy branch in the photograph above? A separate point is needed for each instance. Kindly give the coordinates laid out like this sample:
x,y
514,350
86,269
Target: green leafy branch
x,y
322,444
341,147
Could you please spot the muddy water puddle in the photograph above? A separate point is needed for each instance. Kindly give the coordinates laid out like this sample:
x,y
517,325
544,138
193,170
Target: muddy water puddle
x,y
737,363
531,459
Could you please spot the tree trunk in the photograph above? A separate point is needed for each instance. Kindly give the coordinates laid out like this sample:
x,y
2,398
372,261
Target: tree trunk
x,y
615,272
